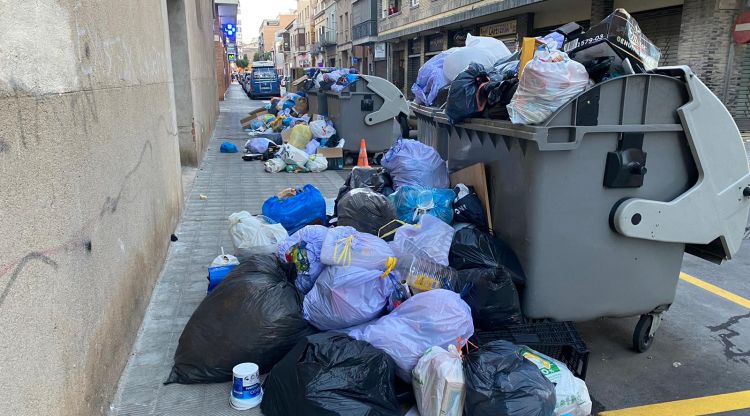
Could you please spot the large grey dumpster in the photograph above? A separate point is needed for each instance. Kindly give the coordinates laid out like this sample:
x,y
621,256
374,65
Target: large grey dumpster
x,y
368,109
601,201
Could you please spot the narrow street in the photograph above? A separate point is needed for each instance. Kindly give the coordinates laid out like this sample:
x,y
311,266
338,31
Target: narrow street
x,y
231,185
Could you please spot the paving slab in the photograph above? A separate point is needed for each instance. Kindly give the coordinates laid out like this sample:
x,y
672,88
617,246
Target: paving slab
x,y
231,185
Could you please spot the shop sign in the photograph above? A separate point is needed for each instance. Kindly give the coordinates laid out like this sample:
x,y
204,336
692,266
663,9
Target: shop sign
x,y
498,29
435,43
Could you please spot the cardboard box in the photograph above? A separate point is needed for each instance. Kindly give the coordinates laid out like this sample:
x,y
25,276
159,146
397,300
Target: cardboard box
x,y
334,156
297,83
475,176
245,122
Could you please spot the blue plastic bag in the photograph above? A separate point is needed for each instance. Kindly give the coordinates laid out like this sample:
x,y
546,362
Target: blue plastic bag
x,y
303,250
412,202
228,147
413,163
346,296
296,211
430,79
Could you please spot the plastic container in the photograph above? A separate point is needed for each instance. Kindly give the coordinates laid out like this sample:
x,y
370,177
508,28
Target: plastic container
x,y
559,340
367,109
422,274
589,215
246,389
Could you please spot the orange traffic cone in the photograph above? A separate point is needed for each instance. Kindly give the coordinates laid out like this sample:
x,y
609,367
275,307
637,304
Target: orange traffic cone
x,y
362,160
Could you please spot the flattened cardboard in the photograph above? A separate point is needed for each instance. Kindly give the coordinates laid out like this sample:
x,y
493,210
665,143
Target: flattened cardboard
x,y
331,152
475,176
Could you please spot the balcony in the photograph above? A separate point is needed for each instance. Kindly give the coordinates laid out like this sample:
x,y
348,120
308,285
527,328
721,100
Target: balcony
x,y
327,38
365,29
316,48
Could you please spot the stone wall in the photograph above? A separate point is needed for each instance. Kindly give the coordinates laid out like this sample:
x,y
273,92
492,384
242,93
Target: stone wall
x,y
90,193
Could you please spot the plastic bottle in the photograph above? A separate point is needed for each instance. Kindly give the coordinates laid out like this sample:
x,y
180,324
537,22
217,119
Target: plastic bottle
x,y
422,275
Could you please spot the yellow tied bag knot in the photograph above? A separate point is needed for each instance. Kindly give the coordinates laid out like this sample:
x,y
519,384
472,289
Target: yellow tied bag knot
x,y
390,264
346,251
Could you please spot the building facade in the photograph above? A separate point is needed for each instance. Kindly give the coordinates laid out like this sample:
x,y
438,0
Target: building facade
x,y
692,32
324,49
364,37
344,33
268,29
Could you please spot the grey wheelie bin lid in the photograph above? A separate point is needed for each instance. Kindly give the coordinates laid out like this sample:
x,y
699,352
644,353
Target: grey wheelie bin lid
x,y
602,199
367,109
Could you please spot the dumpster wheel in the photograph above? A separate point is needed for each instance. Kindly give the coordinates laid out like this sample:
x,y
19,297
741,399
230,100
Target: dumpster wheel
x,y
645,330
641,338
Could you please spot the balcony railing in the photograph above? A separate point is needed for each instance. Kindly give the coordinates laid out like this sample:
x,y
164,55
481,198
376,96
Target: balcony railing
x,y
327,38
365,29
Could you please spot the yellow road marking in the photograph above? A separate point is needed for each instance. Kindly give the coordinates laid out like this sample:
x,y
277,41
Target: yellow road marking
x,y
716,290
690,407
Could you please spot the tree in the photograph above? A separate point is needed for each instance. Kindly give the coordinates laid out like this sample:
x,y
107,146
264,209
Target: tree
x,y
257,57
244,62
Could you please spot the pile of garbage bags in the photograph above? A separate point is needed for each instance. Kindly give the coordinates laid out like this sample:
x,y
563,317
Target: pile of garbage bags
x,y
340,311
483,79
287,139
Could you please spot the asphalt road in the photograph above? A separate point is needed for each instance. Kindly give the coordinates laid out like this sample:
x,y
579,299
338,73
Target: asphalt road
x,y
702,347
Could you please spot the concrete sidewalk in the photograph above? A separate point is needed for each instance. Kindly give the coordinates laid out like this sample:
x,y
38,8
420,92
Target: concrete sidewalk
x,y
231,185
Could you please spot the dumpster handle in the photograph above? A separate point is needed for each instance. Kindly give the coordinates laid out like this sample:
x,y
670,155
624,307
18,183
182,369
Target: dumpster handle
x,y
715,208
394,102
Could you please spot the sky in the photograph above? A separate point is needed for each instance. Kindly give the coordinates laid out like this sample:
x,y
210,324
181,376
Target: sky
x,y
254,11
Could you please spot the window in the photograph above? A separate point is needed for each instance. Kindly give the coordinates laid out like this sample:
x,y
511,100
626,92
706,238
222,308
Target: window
x,y
414,3
394,6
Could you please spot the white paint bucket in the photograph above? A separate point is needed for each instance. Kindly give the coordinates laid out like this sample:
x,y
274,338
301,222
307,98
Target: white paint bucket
x,y
246,390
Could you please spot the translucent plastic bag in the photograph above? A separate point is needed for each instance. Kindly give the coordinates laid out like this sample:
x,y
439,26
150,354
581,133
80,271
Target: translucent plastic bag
x,y
484,51
345,246
294,212
571,395
410,162
316,163
303,250
346,296
438,317
548,81
300,136
431,238
274,165
312,147
438,382
254,235
431,79
412,202
258,144
292,155
321,130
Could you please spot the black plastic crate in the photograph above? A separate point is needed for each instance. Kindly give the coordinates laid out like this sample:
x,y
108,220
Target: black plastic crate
x,y
559,340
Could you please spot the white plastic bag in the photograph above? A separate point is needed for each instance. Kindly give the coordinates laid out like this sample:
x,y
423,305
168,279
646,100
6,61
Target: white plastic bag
x,y
431,237
571,394
482,50
345,246
321,130
346,296
438,317
274,165
292,155
254,235
438,382
548,81
317,163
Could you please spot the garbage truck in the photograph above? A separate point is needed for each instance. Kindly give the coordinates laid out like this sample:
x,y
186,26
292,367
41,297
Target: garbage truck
x,y
601,200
